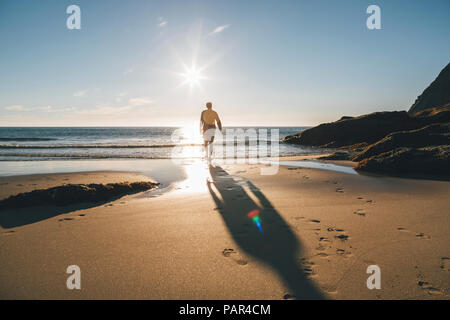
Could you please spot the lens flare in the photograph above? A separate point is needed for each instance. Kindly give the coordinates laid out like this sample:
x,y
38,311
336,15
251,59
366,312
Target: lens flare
x,y
254,215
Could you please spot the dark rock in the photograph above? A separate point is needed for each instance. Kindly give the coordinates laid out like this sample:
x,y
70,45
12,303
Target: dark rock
x,y
431,135
434,115
396,142
433,160
363,129
437,94
357,147
75,193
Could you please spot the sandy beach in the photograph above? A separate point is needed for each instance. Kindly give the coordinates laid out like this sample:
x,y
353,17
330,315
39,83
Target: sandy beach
x,y
193,239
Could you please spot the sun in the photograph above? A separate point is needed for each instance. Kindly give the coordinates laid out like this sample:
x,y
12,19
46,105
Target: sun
x,y
192,76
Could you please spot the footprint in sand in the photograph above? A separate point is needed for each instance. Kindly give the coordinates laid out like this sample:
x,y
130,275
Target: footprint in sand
x,y
241,262
331,229
340,190
360,212
109,205
445,264
343,252
427,287
307,267
330,290
65,219
289,296
421,235
342,237
81,215
229,252
314,220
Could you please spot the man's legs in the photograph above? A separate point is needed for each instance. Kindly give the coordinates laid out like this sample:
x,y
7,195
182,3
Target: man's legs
x,y
208,138
211,147
205,146
208,150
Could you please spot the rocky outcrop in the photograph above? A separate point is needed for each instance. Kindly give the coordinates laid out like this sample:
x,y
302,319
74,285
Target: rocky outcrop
x,y
431,135
349,131
436,95
433,160
396,142
74,194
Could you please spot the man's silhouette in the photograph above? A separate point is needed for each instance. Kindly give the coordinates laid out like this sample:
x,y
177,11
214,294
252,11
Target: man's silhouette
x,y
208,121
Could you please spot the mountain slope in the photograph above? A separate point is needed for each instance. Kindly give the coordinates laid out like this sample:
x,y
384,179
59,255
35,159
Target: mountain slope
x,y
437,94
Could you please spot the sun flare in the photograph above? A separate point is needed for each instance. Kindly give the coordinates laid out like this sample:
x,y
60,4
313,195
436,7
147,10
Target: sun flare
x,y
192,76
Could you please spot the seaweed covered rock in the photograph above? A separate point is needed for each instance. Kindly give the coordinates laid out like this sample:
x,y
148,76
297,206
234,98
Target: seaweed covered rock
x,y
75,193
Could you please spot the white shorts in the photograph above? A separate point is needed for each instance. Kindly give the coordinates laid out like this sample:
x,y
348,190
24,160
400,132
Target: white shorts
x,y
208,135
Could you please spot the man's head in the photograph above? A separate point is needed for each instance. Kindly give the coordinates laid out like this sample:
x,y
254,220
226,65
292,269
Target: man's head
x,y
209,105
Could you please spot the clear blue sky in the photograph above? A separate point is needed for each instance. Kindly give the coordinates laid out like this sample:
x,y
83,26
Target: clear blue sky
x,y
259,62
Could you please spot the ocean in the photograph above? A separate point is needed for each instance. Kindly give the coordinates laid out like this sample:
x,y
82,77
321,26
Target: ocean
x,y
70,143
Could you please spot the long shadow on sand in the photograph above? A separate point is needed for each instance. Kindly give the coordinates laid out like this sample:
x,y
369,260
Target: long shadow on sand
x,y
275,244
12,218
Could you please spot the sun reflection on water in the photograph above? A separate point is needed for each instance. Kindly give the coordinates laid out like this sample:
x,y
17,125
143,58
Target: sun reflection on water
x,y
197,175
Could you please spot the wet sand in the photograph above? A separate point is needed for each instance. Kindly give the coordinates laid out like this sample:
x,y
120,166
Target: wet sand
x,y
320,231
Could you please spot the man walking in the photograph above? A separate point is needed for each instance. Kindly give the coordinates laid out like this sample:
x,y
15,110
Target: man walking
x,y
208,120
